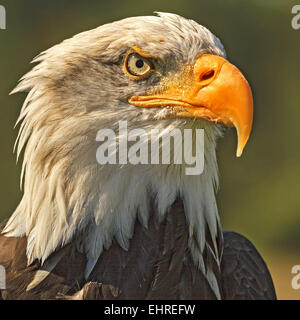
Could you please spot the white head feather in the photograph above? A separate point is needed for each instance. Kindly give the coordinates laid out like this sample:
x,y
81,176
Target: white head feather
x,y
78,88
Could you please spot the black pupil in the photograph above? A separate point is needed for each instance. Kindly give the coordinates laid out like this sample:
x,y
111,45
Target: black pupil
x,y
139,63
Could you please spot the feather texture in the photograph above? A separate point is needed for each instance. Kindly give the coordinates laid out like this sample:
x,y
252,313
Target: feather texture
x,y
157,265
77,88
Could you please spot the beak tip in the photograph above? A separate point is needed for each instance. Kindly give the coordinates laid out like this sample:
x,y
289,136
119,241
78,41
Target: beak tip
x,y
239,153
240,148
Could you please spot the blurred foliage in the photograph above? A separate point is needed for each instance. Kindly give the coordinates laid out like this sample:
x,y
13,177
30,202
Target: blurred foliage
x,y
259,193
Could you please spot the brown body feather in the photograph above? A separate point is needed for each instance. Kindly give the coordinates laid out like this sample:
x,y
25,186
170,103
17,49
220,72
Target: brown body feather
x,y
158,265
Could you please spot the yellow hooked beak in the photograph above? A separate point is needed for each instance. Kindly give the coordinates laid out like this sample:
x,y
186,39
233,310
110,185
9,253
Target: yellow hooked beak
x,y
215,90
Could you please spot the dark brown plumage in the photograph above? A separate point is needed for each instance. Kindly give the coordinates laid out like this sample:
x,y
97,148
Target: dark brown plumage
x,y
158,265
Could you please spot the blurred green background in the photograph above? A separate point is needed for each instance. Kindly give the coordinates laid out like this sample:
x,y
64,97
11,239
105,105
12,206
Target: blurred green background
x,y
259,192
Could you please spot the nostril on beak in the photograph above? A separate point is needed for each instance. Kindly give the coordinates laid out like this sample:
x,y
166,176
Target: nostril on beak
x,y
207,75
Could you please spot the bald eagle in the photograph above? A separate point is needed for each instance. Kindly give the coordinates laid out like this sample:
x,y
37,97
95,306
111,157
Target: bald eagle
x,y
85,230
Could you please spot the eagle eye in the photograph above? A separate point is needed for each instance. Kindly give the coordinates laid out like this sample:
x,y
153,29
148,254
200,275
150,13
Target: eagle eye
x,y
137,66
